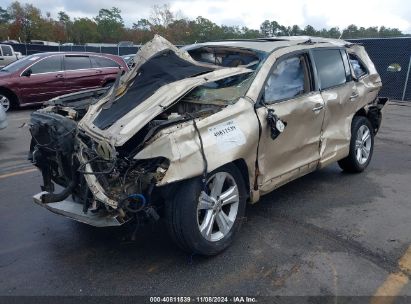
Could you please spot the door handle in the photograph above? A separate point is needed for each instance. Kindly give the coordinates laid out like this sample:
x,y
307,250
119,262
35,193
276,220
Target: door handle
x,y
318,108
99,71
354,96
59,76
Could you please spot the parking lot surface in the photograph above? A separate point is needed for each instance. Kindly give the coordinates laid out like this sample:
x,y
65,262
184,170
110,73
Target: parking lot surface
x,y
328,233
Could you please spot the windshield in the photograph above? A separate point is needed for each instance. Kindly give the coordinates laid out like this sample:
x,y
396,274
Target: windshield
x,y
224,91
19,64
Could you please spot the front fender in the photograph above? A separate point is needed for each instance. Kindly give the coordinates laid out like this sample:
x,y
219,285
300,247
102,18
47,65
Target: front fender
x,y
228,135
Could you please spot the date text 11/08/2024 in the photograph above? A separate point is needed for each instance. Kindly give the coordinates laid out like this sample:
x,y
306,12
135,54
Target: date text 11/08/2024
x,y
238,299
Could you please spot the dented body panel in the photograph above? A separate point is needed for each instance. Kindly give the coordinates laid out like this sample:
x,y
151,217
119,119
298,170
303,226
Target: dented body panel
x,y
156,144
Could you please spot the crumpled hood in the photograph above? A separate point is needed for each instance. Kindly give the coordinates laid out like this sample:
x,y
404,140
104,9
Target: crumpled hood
x,y
117,119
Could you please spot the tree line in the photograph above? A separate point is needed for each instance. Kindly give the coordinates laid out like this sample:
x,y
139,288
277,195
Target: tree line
x,y
26,22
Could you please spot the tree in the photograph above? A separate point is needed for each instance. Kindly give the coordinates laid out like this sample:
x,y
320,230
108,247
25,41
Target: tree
x,y
4,16
64,27
110,24
85,30
309,31
161,16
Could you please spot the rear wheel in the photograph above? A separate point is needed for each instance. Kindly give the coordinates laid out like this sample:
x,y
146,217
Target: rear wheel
x,y
361,146
206,222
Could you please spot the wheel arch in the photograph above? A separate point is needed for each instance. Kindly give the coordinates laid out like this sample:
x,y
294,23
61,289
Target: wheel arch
x,y
14,98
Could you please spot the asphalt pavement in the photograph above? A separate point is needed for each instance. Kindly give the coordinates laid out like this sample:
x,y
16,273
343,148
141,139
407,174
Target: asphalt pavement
x,y
327,233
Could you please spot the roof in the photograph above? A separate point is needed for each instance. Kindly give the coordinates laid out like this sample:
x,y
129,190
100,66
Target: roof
x,y
44,54
270,43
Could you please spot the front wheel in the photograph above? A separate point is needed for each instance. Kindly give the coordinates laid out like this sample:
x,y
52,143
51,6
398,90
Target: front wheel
x,y
5,101
205,221
361,146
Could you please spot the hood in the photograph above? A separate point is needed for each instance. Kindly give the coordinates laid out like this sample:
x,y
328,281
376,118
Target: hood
x,y
161,76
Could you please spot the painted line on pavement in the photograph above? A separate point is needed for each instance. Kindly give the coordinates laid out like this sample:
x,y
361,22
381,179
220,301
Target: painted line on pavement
x,y
395,282
17,173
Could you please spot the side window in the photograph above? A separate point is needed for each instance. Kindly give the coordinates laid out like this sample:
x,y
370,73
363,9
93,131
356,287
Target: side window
x,y
6,49
101,62
76,62
330,68
47,65
358,66
289,79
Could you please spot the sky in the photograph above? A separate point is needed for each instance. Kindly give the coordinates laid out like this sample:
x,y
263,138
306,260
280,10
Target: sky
x,y
250,13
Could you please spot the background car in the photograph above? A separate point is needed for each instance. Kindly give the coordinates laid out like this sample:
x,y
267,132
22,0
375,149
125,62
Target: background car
x,y
8,55
40,77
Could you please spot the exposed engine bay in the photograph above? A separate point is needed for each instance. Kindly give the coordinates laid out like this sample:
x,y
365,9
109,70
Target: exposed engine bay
x,y
102,175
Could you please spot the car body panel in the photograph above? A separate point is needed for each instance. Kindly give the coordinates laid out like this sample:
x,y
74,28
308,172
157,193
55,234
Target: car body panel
x,y
296,147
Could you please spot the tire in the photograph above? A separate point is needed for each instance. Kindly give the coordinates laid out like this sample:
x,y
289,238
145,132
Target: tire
x,y
361,146
186,214
6,101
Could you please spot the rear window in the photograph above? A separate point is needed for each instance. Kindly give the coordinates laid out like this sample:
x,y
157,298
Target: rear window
x,y
77,62
102,62
47,65
6,49
330,68
358,66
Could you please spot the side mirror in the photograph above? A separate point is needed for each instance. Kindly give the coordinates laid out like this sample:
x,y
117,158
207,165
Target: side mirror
x,y
27,73
394,67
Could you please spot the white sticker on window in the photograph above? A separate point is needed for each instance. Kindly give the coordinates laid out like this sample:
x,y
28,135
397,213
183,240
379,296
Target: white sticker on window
x,y
228,135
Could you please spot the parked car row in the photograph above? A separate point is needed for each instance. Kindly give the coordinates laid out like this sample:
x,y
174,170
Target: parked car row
x,y
40,77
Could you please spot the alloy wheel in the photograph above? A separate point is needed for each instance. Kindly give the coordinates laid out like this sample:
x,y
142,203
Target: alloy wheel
x,y
363,144
217,207
4,102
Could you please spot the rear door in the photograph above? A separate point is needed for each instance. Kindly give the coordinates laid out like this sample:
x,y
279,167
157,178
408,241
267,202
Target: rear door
x,y
341,97
105,68
290,92
45,81
79,73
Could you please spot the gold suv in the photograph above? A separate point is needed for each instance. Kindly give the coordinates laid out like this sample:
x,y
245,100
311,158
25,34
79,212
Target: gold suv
x,y
191,135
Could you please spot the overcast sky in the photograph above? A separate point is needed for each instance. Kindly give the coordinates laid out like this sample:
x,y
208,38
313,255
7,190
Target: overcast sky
x,y
251,13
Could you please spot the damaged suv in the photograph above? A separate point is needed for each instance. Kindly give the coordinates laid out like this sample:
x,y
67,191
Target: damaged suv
x,y
193,134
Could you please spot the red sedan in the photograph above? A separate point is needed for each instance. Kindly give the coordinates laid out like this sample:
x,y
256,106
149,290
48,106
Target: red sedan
x,y
40,77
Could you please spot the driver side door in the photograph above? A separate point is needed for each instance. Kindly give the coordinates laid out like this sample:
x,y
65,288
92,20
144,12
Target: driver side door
x,y
290,92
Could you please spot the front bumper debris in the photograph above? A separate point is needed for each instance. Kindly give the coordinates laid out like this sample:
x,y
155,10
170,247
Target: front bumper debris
x,y
73,210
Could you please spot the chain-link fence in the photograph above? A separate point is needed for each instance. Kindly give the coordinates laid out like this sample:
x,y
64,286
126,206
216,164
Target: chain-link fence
x,y
383,52
29,49
388,51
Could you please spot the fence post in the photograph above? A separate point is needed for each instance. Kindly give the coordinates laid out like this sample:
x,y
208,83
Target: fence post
x,y
406,80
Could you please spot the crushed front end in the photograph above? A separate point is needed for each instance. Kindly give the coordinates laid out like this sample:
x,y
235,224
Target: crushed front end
x,y
86,180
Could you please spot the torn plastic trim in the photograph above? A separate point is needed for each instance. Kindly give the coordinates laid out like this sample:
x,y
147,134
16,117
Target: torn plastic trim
x,y
73,210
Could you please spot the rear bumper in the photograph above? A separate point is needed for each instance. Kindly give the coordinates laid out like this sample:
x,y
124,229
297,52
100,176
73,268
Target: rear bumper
x,y
73,210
